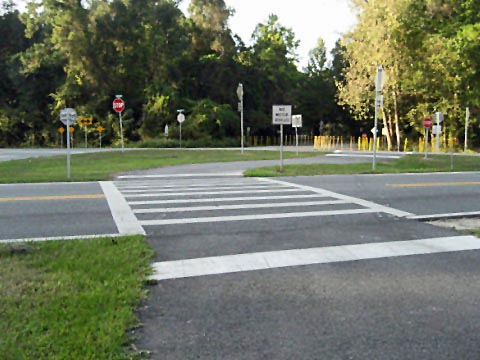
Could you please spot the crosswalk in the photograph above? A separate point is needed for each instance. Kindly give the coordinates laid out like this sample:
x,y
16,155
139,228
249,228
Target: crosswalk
x,y
176,200
154,205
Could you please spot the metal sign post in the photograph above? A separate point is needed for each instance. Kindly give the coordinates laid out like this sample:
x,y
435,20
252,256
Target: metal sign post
x,y
61,130
379,79
467,117
438,129
281,115
427,124
240,109
100,130
180,119
296,123
119,106
68,116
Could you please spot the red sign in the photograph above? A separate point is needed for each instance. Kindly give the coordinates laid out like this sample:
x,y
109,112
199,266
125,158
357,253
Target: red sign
x,y
118,105
427,123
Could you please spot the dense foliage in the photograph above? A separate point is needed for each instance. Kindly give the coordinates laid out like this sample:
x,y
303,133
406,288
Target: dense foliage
x,y
430,52
81,53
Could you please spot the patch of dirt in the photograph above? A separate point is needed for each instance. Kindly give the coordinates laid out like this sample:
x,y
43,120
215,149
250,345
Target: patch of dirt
x,y
459,224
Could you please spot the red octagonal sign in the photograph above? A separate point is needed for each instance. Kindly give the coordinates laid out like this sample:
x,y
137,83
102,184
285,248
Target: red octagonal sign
x,y
118,105
427,122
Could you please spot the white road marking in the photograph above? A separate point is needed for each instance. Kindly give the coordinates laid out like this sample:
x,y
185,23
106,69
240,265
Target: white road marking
x,y
160,194
364,156
361,202
177,185
122,214
60,238
254,217
236,207
202,190
301,257
166,176
444,216
225,199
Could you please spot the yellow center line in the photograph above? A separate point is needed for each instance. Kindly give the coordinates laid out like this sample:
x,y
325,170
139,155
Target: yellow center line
x,y
62,197
434,184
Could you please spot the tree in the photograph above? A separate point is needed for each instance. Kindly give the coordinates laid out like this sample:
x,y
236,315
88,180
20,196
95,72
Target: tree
x,y
271,68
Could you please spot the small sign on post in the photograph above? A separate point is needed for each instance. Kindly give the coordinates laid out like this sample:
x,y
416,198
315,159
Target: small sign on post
x,y
119,107
427,124
100,130
437,129
180,119
281,115
85,121
296,123
61,130
68,116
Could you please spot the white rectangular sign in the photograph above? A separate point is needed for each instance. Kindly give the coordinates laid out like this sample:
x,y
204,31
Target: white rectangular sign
x,y
437,129
282,114
297,121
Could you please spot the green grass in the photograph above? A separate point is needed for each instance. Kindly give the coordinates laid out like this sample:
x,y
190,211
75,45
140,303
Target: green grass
x,y
72,299
101,166
409,163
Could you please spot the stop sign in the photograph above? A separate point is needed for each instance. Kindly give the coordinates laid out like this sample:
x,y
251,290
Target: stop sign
x,y
118,105
427,123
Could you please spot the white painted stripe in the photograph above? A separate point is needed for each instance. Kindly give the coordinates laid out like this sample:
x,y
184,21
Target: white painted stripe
x,y
202,190
160,194
163,176
236,207
122,214
301,257
364,156
361,202
253,217
177,185
445,215
189,181
224,199
60,238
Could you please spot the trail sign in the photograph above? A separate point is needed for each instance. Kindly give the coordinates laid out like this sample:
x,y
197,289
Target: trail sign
x,y
100,128
61,130
282,114
118,105
427,123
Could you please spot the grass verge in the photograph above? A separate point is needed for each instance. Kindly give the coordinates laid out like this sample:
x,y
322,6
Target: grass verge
x,y
407,164
100,166
71,299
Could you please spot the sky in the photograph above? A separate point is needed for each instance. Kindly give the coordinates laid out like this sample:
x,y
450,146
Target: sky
x,y
309,20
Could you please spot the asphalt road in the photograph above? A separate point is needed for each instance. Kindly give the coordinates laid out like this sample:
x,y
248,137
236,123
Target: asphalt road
x,y
211,303
331,267
18,154
32,211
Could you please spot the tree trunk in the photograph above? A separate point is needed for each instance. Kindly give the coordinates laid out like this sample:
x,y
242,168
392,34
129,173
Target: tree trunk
x,y
397,121
389,130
